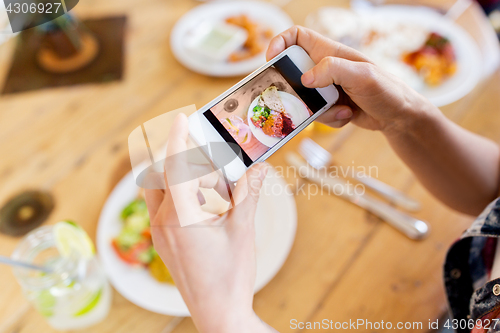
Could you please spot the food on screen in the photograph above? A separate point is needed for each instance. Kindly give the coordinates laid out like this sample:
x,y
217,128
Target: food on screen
x,y
270,115
264,110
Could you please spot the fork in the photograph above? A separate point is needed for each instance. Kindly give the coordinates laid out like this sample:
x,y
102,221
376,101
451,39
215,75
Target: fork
x,y
319,158
408,225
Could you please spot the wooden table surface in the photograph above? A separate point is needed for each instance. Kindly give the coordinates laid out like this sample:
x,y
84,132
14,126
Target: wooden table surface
x,y
345,263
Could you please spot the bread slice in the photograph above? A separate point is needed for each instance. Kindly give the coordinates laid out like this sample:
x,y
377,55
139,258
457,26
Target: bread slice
x,y
272,100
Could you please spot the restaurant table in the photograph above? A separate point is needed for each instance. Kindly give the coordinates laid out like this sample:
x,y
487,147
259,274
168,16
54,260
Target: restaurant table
x,y
345,264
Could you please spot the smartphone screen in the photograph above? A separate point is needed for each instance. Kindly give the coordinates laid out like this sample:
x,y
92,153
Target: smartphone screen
x,y
265,110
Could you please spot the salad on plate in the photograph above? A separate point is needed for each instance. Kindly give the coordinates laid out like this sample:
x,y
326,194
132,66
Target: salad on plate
x,y
134,244
270,115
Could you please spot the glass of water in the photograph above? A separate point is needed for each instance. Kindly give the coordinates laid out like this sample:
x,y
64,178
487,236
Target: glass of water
x,y
75,293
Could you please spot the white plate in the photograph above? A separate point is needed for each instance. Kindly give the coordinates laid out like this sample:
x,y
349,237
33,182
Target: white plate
x,y
276,222
266,14
467,51
295,109
469,67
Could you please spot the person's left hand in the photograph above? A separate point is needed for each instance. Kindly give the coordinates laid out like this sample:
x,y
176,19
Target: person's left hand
x,y
212,262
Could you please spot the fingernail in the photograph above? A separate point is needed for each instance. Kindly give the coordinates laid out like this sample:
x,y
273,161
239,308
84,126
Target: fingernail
x,y
343,114
308,78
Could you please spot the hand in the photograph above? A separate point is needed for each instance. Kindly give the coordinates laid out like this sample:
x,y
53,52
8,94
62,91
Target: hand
x,y
212,262
371,98
458,167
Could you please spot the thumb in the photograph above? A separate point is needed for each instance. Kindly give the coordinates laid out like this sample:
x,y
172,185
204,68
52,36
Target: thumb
x,y
246,193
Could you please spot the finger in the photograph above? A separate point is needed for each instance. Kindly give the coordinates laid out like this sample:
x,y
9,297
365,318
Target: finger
x,y
215,181
345,73
223,188
207,176
246,195
338,123
336,116
176,144
154,199
177,139
176,164
316,45
183,195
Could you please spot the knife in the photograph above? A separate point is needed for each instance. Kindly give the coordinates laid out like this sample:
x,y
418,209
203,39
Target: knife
x,y
413,228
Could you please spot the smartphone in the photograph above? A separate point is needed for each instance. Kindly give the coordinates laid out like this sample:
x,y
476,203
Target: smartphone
x,y
258,115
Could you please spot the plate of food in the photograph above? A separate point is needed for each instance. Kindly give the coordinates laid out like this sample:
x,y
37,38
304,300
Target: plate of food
x,y
430,52
274,114
227,38
137,272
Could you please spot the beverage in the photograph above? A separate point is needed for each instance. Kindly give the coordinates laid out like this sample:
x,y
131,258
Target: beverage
x,y
75,293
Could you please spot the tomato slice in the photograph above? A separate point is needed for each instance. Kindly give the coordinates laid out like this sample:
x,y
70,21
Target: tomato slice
x,y
146,233
131,255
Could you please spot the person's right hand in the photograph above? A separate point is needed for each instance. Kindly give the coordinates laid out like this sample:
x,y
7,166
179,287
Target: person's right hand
x,y
373,99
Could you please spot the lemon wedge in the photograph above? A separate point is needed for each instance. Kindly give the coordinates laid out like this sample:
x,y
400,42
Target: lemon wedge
x,y
70,237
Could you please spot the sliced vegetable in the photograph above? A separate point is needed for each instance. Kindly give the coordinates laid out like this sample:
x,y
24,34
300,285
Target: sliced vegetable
x,y
134,243
159,271
137,206
147,256
131,255
128,237
146,233
260,115
137,223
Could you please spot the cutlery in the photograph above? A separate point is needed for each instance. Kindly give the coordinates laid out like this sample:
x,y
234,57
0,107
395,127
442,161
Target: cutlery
x,y
410,226
320,158
11,262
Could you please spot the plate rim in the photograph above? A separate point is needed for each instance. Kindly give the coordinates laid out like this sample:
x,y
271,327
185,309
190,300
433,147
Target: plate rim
x,y
251,64
441,23
103,245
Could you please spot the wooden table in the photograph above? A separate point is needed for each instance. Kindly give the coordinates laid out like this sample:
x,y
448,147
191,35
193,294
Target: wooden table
x,y
345,263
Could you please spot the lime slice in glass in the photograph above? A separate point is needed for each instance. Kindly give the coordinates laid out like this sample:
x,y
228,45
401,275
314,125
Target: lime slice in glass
x,y
70,237
94,300
45,302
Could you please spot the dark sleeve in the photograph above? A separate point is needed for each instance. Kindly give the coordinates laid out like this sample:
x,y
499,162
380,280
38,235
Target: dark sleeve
x,y
458,281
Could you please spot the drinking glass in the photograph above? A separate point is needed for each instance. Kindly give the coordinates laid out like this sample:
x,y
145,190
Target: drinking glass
x,y
74,295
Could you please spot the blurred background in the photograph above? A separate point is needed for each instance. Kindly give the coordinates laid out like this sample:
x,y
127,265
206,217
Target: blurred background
x,y
73,89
